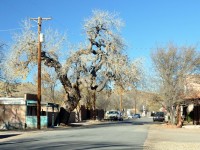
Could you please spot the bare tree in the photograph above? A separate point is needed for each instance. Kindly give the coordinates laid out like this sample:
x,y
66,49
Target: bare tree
x,y
87,98
173,64
49,84
129,77
91,66
104,99
1,58
8,85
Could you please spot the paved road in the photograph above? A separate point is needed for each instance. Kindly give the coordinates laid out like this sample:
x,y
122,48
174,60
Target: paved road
x,y
124,135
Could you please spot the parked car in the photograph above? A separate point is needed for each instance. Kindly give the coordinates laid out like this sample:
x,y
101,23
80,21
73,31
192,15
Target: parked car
x,y
114,115
134,116
159,116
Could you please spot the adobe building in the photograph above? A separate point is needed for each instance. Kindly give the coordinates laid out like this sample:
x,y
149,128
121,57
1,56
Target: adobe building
x,y
190,105
21,113
191,109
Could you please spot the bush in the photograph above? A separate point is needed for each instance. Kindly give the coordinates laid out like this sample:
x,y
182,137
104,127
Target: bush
x,y
188,118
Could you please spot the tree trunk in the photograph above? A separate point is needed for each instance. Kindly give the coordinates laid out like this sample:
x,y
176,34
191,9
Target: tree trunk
x,y
179,118
70,105
63,116
94,105
71,102
172,119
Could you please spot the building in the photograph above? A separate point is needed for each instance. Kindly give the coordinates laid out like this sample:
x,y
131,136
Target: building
x,y
21,113
191,101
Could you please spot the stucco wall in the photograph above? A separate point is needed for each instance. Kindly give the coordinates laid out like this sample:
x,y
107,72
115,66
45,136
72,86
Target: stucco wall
x,y
12,116
31,121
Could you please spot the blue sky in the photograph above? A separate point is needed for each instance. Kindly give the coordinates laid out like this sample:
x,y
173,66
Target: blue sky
x,y
148,23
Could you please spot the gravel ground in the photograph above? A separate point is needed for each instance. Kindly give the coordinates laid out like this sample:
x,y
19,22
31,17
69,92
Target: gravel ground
x,y
162,137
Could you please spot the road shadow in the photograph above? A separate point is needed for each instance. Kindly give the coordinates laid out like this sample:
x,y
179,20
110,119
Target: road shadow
x,y
8,135
72,145
127,122
115,123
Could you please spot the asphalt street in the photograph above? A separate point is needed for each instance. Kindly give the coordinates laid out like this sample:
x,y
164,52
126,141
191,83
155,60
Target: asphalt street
x,y
124,135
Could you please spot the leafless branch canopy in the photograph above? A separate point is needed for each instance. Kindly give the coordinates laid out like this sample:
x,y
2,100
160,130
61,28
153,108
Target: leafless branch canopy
x,y
173,65
90,66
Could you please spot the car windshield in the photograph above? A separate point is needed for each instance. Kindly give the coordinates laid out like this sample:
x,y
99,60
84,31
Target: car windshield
x,y
160,114
113,112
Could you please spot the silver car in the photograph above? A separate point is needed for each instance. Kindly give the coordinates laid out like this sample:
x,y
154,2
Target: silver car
x,y
113,115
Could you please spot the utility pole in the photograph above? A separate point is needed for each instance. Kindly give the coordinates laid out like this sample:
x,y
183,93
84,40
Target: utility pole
x,y
39,21
94,106
121,92
121,101
135,106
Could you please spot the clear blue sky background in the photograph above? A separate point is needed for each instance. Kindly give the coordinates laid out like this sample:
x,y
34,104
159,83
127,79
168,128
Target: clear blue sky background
x,y
148,23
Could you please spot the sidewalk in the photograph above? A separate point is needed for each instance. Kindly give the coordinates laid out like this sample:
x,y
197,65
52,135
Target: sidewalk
x,y
163,137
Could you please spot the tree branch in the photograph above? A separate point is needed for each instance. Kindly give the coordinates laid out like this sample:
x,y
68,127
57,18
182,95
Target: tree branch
x,y
50,62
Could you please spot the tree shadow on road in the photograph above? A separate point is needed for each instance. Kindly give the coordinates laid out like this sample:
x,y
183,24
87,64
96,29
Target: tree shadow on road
x,y
7,135
72,145
115,123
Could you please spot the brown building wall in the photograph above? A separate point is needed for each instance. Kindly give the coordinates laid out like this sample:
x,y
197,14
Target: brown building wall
x,y
12,116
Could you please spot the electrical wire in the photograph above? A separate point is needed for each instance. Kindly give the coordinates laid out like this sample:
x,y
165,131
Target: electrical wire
x,y
6,30
10,29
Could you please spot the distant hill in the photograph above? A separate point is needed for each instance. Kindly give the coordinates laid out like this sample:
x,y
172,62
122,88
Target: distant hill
x,y
18,90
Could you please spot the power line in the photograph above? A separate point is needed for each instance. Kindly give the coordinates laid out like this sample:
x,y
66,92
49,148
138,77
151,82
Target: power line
x,y
10,29
6,30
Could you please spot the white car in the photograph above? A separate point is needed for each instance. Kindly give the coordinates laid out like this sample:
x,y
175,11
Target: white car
x,y
113,115
134,116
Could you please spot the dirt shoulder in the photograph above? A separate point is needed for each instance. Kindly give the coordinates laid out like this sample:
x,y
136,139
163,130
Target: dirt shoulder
x,y
163,137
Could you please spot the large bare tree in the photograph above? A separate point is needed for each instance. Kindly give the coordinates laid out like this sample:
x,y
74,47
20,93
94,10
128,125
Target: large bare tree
x,y
90,66
173,64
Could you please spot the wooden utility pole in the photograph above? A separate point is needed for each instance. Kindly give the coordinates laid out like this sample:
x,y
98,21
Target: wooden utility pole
x,y
94,105
121,107
121,91
135,106
39,21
